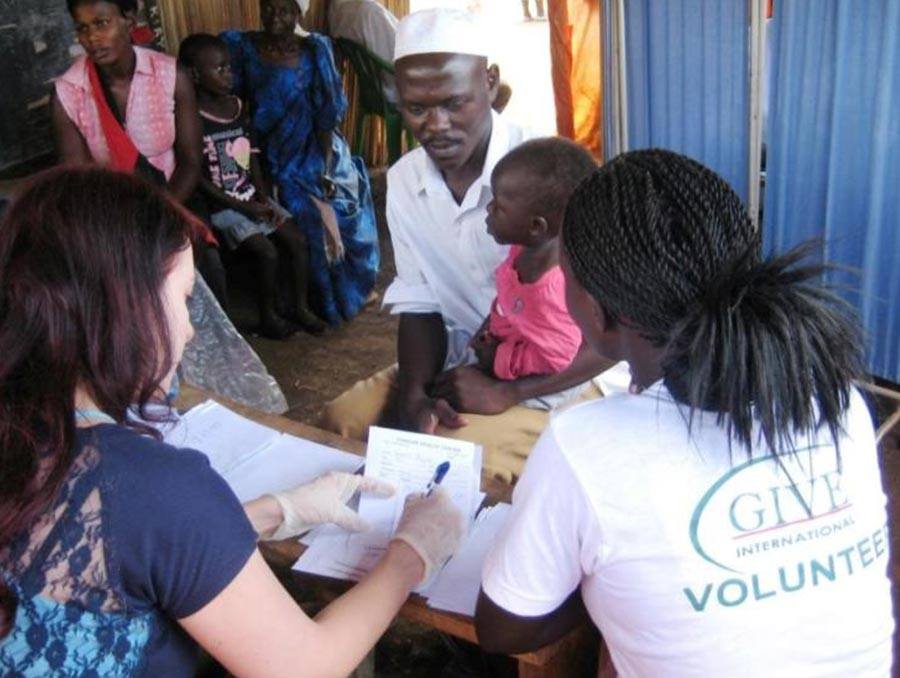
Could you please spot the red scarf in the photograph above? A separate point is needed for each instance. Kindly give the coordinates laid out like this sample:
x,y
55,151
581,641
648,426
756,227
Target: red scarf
x,y
122,151
124,154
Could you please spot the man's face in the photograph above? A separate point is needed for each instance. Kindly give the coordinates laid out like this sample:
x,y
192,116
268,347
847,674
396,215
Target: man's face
x,y
445,100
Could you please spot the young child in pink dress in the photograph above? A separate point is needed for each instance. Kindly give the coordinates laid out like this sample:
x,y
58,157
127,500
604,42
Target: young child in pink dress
x,y
529,330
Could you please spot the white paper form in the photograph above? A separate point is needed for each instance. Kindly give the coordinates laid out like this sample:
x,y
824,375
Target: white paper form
x,y
457,587
227,438
408,460
285,463
310,536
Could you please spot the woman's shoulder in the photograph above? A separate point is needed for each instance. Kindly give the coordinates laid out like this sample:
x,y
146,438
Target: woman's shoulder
x,y
619,418
240,39
162,68
154,57
132,456
141,475
234,35
320,45
317,39
75,74
180,534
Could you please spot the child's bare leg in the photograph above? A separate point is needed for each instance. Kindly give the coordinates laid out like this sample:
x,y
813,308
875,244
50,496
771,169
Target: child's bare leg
x,y
265,257
293,244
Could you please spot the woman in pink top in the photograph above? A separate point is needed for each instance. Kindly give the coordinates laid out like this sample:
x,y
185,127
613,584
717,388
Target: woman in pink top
x,y
131,109
529,330
151,101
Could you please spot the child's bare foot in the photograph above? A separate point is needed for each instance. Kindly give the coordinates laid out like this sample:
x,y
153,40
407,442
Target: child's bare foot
x,y
276,328
309,321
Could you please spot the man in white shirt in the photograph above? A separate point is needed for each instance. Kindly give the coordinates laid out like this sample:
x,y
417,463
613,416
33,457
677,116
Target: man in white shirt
x,y
369,24
436,207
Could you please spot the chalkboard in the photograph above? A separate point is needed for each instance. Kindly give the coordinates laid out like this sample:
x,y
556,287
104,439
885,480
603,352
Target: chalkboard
x,y
37,43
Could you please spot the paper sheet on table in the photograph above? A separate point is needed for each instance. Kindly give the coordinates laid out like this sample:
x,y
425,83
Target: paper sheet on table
x,y
311,536
616,379
408,460
254,459
457,587
227,438
285,463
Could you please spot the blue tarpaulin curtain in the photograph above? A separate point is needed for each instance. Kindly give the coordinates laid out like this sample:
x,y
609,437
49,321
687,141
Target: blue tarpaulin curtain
x,y
687,81
833,143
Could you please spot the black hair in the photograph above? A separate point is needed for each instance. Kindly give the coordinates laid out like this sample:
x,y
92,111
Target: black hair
x,y
557,163
192,45
125,6
665,245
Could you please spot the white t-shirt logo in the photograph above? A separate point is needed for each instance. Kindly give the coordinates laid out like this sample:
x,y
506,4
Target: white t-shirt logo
x,y
799,531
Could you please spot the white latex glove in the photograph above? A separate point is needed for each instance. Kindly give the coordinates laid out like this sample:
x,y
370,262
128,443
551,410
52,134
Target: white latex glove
x,y
324,500
432,527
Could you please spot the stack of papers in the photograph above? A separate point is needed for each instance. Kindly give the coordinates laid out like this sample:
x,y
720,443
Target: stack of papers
x,y
252,458
255,460
408,461
287,462
227,438
457,587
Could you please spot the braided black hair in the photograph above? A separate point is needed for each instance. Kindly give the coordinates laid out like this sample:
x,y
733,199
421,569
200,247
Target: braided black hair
x,y
559,164
666,246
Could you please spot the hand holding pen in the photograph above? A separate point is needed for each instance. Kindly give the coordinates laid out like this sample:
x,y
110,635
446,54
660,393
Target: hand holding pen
x,y
438,476
431,523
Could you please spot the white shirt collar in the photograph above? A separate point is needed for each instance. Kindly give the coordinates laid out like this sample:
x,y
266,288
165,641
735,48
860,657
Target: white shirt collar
x,y
431,180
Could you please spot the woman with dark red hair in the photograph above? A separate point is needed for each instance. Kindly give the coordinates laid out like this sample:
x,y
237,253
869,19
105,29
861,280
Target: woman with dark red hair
x,y
115,547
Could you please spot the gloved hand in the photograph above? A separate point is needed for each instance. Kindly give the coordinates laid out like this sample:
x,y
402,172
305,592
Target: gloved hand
x,y
432,527
324,500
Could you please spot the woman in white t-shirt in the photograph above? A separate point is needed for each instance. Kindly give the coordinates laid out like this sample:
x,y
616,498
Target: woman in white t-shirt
x,y
725,517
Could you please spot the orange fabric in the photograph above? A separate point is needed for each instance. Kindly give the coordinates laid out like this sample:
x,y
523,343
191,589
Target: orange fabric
x,y
575,57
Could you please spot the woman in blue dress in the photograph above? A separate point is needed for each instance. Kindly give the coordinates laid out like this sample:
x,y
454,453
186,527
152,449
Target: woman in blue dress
x,y
297,102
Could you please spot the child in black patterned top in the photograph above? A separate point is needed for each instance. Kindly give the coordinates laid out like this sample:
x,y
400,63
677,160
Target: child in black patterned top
x,y
242,211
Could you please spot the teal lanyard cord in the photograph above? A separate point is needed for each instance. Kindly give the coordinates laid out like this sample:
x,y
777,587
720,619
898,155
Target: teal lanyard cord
x,y
98,415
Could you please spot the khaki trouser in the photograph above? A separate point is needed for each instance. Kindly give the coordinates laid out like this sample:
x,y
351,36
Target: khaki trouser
x,y
506,438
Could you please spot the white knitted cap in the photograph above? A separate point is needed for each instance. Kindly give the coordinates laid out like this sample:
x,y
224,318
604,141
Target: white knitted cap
x,y
441,29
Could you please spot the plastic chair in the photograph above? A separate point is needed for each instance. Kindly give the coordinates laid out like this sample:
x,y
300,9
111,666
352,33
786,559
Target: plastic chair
x,y
369,70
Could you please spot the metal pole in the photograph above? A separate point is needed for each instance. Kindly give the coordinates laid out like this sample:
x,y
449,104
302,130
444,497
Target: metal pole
x,y
757,66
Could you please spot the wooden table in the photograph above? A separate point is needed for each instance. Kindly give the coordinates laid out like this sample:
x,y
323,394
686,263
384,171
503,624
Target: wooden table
x,y
570,656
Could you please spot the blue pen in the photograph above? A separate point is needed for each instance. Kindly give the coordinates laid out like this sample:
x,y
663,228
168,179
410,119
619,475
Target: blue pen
x,y
438,476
